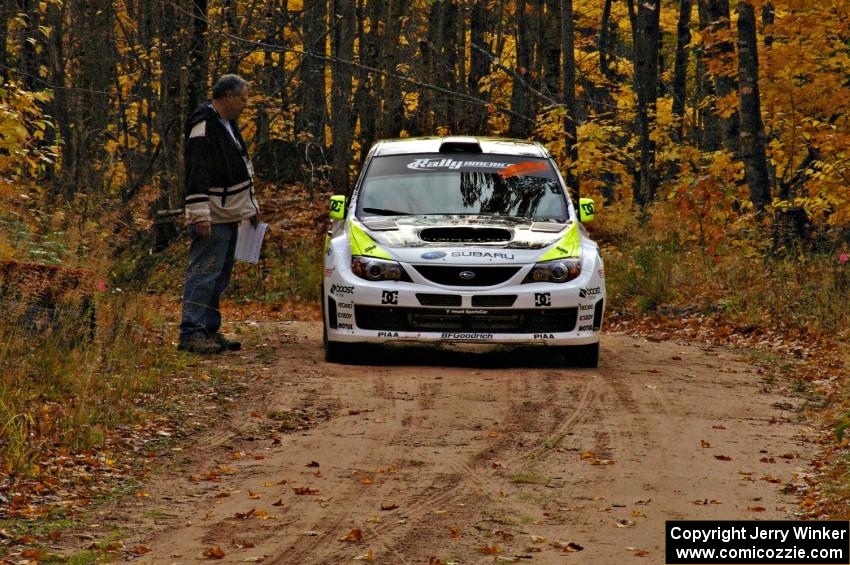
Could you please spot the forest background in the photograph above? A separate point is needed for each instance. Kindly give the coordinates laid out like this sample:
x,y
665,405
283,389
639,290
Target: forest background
x,y
714,138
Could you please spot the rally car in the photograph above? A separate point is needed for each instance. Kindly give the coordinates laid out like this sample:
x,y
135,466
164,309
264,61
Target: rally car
x,y
461,239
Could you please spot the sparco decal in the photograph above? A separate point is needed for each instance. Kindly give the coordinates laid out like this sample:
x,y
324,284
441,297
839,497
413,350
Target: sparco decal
x,y
345,305
483,255
585,292
451,164
468,336
340,289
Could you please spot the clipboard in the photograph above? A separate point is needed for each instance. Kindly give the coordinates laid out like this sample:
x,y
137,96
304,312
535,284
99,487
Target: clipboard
x,y
249,241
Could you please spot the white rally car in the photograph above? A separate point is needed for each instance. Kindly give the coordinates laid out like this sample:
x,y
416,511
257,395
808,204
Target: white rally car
x,y
461,239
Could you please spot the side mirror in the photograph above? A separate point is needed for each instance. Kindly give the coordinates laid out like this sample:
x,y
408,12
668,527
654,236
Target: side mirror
x,y
586,210
337,207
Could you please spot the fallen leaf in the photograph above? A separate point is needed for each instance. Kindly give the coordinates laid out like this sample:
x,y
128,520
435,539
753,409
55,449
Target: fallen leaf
x,y
455,532
260,515
252,494
435,561
490,550
278,503
368,556
373,519
243,515
312,464
704,444
54,535
538,539
311,533
214,553
305,490
719,427
587,455
641,553
222,495
756,508
353,535
723,457
32,554
767,460
140,550
241,543
366,481
389,506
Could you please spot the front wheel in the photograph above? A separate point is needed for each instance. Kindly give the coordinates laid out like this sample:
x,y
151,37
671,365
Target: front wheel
x,y
586,356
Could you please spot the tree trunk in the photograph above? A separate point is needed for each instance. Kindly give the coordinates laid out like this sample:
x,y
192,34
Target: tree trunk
x,y
370,83
446,64
552,46
752,128
479,66
198,57
646,88
569,88
604,43
343,115
680,69
714,17
768,15
519,92
311,119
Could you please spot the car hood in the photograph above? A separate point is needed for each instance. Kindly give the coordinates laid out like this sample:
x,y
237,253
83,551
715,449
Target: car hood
x,y
463,239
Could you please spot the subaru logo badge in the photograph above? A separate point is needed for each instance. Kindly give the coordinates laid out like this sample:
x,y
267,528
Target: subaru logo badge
x,y
466,275
433,255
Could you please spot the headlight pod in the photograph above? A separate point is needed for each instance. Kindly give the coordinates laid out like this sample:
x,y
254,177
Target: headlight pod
x,y
373,269
559,271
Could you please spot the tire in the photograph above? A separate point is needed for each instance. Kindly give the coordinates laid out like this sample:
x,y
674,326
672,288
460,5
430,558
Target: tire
x,y
586,356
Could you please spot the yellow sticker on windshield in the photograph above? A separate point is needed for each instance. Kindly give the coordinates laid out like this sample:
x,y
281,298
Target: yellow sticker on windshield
x,y
567,246
523,169
362,244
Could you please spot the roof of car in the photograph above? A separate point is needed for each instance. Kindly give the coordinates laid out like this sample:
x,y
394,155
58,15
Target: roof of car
x,y
489,145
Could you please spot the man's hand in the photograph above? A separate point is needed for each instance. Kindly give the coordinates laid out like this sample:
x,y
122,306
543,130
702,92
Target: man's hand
x,y
255,220
204,229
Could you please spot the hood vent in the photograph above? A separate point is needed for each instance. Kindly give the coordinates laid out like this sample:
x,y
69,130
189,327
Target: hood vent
x,y
465,235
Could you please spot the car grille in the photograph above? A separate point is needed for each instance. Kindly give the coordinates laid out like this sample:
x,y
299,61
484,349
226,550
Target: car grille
x,y
438,299
381,318
464,235
494,300
451,275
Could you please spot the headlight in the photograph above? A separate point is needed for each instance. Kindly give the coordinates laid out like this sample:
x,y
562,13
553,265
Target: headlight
x,y
559,271
373,269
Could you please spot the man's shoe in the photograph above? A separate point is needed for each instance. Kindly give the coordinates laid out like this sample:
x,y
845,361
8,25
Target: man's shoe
x,y
201,344
228,344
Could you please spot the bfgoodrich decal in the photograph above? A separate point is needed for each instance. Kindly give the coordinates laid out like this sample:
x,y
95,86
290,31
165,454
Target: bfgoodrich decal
x,y
466,336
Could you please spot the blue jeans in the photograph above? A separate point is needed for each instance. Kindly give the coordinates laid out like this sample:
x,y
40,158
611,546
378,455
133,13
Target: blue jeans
x,y
207,275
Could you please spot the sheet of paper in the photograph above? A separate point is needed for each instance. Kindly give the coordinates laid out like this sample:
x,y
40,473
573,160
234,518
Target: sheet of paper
x,y
249,241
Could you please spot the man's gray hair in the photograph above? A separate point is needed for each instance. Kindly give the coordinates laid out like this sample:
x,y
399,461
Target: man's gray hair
x,y
227,84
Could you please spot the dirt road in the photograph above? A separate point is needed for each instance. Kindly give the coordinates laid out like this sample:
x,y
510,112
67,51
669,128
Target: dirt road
x,y
474,457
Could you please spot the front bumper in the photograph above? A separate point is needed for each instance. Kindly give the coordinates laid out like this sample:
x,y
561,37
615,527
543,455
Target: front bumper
x,y
538,313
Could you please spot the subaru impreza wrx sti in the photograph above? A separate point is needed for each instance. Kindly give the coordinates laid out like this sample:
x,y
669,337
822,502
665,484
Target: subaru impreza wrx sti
x,y
461,239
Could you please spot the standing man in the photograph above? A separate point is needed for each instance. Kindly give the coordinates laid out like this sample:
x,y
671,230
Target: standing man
x,y
219,195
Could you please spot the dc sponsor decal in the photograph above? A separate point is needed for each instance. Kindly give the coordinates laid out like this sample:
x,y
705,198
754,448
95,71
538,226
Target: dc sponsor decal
x,y
343,315
585,328
339,289
587,292
345,305
542,299
544,336
387,334
585,307
336,205
345,326
585,317
451,164
433,255
389,297
467,336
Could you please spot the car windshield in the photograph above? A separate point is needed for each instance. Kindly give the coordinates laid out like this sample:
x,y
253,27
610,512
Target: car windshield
x,y
485,185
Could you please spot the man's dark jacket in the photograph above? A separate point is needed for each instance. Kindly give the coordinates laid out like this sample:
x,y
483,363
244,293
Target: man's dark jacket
x,y
219,184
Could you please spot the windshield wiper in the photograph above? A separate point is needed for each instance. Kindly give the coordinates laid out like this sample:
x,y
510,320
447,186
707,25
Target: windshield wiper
x,y
385,212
